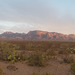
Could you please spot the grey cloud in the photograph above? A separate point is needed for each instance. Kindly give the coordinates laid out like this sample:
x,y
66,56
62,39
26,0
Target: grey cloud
x,y
37,13
28,11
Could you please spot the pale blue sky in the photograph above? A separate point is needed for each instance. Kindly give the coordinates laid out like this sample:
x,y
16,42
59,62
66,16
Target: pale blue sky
x,y
47,15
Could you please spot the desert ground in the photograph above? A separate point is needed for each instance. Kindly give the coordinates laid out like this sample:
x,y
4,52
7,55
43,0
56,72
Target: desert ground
x,y
58,59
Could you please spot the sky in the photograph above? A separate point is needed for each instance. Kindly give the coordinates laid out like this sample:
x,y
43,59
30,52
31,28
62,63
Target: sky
x,y
27,15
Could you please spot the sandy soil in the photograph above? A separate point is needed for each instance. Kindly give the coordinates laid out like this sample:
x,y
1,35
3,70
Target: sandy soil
x,y
54,67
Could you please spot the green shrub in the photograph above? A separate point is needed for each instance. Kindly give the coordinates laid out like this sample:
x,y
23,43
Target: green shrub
x,y
8,51
37,59
13,56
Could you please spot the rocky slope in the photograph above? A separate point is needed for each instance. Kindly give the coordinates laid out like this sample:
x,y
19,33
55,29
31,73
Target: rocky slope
x,y
37,35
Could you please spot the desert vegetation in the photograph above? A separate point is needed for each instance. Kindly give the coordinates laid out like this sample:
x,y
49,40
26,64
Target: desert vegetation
x,y
37,54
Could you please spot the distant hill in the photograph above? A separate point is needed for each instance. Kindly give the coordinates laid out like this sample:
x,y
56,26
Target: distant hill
x,y
37,35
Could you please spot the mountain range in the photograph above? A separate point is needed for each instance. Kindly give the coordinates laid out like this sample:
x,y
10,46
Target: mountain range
x,y
37,35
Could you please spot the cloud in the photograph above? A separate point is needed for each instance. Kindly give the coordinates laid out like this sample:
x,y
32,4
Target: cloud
x,y
29,15
30,11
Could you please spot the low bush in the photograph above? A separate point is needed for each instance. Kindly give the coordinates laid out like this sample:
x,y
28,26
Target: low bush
x,y
50,54
47,73
22,56
37,59
35,73
13,56
7,50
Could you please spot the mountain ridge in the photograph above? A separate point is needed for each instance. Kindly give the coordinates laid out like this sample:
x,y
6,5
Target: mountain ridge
x,y
37,35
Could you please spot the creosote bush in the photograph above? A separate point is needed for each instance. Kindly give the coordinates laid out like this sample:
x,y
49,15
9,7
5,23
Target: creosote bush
x,y
37,59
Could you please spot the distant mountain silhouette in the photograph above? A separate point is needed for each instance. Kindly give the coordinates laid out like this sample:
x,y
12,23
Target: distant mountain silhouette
x,y
37,35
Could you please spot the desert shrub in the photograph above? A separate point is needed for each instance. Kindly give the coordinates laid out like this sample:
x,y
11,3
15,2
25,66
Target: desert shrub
x,y
47,73
35,73
4,48
22,56
50,54
13,56
1,71
8,51
37,59
73,68
68,60
71,50
68,51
